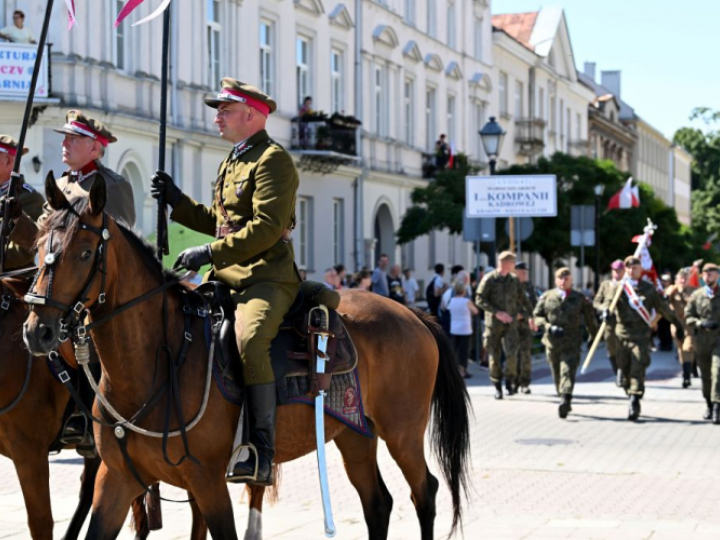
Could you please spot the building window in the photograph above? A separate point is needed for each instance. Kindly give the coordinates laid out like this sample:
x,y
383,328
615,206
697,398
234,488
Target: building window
x,y
266,57
541,103
518,99
120,40
451,119
451,39
338,231
553,114
479,121
302,69
578,127
478,37
503,93
409,111
431,18
213,37
381,125
430,122
305,233
410,12
561,123
336,80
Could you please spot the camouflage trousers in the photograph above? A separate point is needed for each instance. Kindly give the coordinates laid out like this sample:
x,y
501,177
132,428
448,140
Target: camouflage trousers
x,y
707,356
564,363
525,342
498,337
633,359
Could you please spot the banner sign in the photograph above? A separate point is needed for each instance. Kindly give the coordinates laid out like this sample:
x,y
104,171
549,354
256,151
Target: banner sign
x,y
17,61
506,196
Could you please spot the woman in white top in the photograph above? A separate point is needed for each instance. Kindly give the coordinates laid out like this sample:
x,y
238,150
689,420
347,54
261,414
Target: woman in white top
x,y
461,310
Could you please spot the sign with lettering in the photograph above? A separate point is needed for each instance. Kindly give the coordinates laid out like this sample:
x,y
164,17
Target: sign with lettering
x,y
507,196
17,62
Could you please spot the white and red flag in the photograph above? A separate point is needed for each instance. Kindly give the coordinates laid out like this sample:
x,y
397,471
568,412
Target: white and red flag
x,y
130,7
451,160
649,272
627,197
71,13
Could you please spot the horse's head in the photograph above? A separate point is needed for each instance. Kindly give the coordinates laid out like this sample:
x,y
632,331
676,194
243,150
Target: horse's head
x,y
72,252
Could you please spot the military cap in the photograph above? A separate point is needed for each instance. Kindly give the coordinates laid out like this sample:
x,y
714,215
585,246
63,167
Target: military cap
x,y
710,267
631,260
234,91
506,255
562,272
78,123
521,265
8,145
617,264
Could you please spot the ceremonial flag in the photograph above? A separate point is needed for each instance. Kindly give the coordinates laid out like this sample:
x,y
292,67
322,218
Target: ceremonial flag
x,y
627,197
649,272
451,160
132,4
707,246
71,13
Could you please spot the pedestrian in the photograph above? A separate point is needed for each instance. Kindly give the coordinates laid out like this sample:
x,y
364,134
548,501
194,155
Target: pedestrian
x,y
561,312
342,276
379,276
500,295
526,332
601,303
435,289
18,32
633,329
457,273
678,296
330,278
395,285
362,280
306,106
703,315
442,152
411,287
461,310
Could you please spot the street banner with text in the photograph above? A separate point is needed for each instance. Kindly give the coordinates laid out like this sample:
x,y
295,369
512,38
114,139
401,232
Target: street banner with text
x,y
17,62
506,196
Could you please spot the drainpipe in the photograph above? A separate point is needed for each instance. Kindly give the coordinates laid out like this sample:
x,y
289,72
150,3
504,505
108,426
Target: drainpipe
x,y
358,185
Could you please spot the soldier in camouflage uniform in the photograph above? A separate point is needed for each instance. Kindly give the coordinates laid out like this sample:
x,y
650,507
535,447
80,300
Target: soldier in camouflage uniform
x,y
560,313
250,217
678,296
702,315
601,303
634,316
526,332
500,295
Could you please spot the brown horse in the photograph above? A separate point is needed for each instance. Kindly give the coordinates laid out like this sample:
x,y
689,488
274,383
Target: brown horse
x,y
406,367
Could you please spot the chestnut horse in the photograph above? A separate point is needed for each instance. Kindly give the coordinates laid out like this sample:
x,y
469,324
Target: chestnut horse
x,y
406,368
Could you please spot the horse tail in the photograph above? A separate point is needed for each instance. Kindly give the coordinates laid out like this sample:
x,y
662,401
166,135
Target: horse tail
x,y
450,436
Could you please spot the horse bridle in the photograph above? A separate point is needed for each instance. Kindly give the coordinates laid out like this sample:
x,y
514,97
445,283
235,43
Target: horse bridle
x,y
74,314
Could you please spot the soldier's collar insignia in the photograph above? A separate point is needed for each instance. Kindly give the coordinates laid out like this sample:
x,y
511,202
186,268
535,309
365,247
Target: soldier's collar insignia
x,y
239,151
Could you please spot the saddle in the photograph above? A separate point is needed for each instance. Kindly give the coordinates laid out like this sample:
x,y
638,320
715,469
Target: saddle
x,y
294,351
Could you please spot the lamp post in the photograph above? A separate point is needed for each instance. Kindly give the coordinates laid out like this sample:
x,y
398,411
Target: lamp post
x,y
492,136
598,197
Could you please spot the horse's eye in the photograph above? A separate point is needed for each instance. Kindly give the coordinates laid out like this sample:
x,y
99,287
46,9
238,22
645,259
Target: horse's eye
x,y
85,255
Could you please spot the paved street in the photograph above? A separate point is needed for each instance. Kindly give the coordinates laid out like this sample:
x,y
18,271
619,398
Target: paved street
x,y
593,476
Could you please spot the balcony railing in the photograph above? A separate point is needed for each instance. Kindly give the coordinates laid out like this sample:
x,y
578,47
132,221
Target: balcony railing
x,y
319,133
529,135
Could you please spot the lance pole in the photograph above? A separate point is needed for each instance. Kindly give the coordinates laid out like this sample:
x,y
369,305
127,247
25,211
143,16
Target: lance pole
x,y
15,178
163,247
648,232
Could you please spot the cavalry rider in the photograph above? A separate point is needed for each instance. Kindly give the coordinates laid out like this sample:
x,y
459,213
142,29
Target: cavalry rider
x,y
19,254
253,206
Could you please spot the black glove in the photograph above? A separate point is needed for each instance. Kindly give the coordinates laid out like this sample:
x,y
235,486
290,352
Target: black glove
x,y
194,258
163,185
709,325
14,208
557,331
607,317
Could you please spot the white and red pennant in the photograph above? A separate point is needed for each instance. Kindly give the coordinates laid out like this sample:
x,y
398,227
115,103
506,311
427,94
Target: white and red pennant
x,y
127,9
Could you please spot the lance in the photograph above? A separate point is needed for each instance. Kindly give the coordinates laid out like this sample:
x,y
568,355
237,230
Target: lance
x,y
648,232
15,178
163,243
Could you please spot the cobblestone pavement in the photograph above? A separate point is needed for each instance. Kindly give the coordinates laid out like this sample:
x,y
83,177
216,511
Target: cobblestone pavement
x,y
592,476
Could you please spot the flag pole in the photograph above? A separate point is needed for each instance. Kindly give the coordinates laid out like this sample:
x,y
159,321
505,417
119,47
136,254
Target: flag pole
x,y
162,224
15,178
648,232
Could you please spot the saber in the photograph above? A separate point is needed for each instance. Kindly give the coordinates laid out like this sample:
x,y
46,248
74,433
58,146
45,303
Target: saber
x,y
320,426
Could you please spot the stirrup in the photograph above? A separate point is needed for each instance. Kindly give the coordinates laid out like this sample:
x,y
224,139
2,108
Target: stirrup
x,y
75,438
230,476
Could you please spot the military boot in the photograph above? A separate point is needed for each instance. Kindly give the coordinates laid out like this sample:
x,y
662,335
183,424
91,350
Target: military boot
x,y
510,387
634,410
708,411
498,390
716,413
687,372
261,409
565,406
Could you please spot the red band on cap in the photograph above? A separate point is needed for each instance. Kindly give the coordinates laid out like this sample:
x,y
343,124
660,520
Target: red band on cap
x,y
8,149
89,132
252,102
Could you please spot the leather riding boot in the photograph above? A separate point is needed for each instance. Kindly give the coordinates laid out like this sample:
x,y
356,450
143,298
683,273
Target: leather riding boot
x,y
565,406
634,410
708,411
261,409
716,413
687,371
78,429
498,390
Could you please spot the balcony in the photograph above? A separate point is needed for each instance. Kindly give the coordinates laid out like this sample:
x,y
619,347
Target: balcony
x,y
324,143
529,136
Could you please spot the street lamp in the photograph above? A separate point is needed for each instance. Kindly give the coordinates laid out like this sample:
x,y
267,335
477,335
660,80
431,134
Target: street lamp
x,y
492,136
598,197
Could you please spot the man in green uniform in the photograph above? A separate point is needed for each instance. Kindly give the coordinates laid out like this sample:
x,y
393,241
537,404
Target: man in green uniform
x,y
253,208
601,303
501,296
19,254
678,295
560,313
702,314
526,332
634,313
